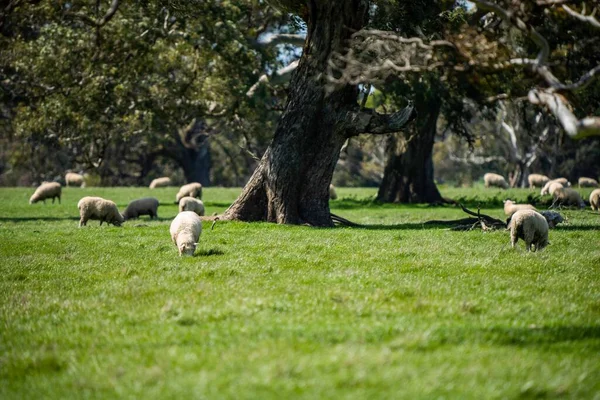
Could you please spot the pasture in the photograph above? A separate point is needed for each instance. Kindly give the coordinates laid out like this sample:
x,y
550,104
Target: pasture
x,y
393,309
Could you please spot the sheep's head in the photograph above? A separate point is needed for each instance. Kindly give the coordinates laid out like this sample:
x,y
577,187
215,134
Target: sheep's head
x,y
187,249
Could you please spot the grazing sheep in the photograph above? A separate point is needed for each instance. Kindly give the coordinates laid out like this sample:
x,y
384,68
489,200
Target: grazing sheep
x,y
587,182
530,226
185,232
595,200
332,192
550,188
45,191
537,180
193,189
567,197
494,180
188,203
564,181
74,179
510,207
99,208
160,182
552,217
144,206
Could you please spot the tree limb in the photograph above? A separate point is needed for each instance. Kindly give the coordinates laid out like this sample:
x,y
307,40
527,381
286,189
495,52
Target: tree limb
x,y
590,19
283,38
374,123
100,22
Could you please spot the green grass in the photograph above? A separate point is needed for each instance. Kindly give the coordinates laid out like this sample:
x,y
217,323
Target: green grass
x,y
394,309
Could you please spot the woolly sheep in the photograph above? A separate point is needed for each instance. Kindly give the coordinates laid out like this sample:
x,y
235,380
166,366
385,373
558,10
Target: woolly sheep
x,y
494,180
530,226
185,232
144,206
45,191
160,182
74,179
567,197
537,180
99,208
510,207
595,200
564,181
188,203
193,189
332,192
587,182
552,217
550,188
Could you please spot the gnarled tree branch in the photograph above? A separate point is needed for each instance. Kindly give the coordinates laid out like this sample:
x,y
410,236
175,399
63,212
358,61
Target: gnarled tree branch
x,y
371,122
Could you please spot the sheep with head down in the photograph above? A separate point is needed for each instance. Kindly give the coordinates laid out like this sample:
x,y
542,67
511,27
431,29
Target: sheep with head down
x,y
595,200
47,190
510,207
188,203
494,180
537,180
143,206
550,187
97,208
185,232
567,197
531,227
587,182
160,182
193,189
74,179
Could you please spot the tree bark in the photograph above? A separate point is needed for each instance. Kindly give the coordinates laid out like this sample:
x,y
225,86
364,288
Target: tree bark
x,y
196,164
291,183
408,173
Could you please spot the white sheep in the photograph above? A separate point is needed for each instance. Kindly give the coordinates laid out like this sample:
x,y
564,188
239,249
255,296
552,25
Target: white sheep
x,y
494,180
188,203
530,226
537,180
587,182
595,200
99,208
47,190
564,181
550,188
193,189
332,192
144,206
567,197
160,182
74,179
510,207
552,217
185,232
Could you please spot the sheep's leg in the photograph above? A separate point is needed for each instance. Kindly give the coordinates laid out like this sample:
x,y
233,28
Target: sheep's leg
x,y
82,222
58,199
101,222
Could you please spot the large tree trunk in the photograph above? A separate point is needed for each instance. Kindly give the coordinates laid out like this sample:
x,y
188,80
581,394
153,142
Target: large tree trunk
x,y
196,164
408,173
291,183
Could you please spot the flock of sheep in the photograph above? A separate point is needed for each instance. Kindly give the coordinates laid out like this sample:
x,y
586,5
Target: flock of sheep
x,y
525,222
185,229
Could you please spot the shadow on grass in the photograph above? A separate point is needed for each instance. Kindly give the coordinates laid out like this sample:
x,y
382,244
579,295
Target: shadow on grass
x,y
209,252
541,335
27,219
586,227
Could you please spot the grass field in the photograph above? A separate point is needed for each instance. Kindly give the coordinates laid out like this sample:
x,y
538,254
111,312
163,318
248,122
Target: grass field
x,y
394,309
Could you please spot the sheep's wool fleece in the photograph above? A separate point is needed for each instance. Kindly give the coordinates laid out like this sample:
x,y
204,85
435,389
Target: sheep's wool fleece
x,y
530,226
193,189
188,203
595,200
186,229
46,191
100,209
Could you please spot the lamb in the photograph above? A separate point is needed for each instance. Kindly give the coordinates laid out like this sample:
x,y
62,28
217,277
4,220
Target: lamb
x,y
537,180
47,190
74,179
587,182
595,200
510,207
193,189
99,208
332,192
160,182
530,226
550,188
185,232
144,206
552,217
567,197
491,179
188,203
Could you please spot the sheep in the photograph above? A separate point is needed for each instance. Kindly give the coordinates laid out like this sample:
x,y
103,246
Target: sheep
x,y
537,180
510,207
552,217
99,208
567,197
193,189
185,232
530,226
332,192
587,182
160,182
595,200
564,181
188,203
144,206
74,179
45,191
550,187
496,180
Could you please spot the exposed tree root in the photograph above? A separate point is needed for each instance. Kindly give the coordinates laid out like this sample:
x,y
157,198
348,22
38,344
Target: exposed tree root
x,y
485,222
